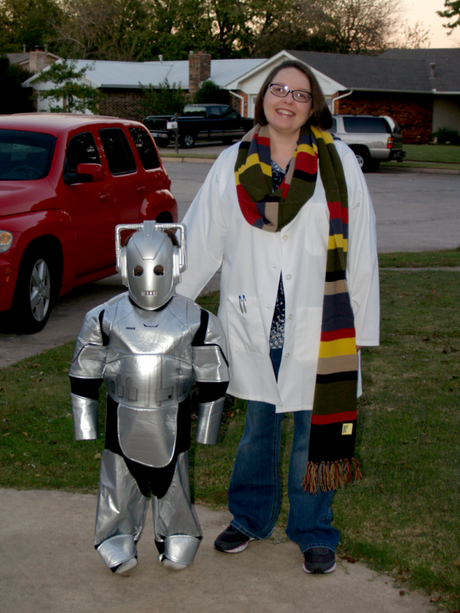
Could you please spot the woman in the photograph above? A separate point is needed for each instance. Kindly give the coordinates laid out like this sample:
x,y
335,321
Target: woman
x,y
277,213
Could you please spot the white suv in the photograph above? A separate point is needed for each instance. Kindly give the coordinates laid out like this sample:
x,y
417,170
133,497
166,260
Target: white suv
x,y
373,138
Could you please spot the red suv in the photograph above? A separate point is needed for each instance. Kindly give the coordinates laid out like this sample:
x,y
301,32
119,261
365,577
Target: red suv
x,y
66,181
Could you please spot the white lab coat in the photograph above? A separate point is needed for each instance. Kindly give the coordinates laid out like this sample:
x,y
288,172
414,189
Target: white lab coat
x,y
252,260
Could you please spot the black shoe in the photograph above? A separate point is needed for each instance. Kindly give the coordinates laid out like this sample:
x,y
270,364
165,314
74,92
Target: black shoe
x,y
319,560
231,540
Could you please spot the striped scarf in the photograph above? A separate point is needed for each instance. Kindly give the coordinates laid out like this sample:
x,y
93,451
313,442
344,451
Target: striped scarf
x,y
331,461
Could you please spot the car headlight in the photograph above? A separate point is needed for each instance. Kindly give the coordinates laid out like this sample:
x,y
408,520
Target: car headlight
x,y
6,240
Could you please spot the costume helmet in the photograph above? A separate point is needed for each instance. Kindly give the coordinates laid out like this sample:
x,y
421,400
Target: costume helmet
x,y
150,262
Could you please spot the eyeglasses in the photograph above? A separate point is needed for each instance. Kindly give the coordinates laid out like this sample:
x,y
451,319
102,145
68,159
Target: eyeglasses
x,y
299,95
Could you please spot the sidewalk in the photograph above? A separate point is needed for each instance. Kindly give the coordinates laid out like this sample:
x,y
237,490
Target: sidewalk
x,y
50,566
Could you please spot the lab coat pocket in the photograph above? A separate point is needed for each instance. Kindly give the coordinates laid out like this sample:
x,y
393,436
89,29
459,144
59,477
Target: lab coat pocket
x,y
245,328
307,333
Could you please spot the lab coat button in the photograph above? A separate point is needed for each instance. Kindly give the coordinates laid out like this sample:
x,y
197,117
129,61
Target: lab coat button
x,y
288,277
290,317
285,237
286,355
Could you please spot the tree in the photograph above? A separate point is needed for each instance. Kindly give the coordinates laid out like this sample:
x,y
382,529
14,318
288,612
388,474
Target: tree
x,y
28,23
360,26
209,92
105,29
340,26
165,99
412,37
69,93
452,10
13,97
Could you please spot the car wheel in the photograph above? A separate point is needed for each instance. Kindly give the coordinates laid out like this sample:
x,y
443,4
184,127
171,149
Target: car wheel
x,y
363,157
34,292
188,141
360,160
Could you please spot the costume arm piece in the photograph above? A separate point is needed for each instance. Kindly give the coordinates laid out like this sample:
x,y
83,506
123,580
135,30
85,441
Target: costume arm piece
x,y
86,375
211,374
362,265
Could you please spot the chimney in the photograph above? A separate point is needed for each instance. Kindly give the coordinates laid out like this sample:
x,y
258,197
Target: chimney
x,y
38,60
432,67
199,69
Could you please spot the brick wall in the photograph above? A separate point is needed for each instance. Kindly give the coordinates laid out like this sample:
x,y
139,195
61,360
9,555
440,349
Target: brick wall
x,y
236,103
122,103
413,112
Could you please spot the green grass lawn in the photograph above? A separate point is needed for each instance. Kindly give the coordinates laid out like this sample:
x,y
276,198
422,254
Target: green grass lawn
x,y
403,517
445,154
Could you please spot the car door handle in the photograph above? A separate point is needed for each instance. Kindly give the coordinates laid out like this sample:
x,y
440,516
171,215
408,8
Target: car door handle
x,y
140,189
104,196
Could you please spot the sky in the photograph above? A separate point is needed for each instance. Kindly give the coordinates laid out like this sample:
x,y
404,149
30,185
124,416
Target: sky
x,y
424,11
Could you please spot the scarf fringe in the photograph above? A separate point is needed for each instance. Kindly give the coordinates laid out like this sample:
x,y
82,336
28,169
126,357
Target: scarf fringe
x,y
329,476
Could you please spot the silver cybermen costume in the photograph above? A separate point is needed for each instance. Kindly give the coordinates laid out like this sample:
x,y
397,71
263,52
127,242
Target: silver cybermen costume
x,y
150,345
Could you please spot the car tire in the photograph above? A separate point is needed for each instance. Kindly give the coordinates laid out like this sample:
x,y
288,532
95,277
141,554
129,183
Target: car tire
x,y
35,291
360,159
188,141
363,157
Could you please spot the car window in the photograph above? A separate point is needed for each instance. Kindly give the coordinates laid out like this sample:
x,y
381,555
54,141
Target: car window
x,y
195,111
366,125
25,156
333,128
214,112
230,114
145,148
81,150
117,151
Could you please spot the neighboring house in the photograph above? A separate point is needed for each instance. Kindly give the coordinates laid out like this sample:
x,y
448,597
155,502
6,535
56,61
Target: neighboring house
x,y
420,88
122,82
33,61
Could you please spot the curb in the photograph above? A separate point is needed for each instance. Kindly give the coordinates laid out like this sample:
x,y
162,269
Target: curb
x,y
180,159
399,168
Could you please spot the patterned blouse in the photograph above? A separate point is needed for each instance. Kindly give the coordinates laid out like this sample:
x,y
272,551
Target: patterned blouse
x,y
279,314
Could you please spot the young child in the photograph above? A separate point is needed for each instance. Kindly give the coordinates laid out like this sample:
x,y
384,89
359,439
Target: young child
x,y
150,346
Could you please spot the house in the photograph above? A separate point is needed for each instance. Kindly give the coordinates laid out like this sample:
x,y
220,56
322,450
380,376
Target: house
x,y
32,61
122,82
419,88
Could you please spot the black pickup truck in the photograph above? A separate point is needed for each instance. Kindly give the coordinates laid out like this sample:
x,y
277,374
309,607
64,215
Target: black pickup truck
x,y
199,122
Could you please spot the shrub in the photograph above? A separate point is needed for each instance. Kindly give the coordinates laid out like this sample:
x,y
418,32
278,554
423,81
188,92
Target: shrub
x,y
211,93
447,136
165,99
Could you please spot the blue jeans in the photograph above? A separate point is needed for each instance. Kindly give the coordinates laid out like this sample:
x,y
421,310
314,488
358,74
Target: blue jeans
x,y
255,493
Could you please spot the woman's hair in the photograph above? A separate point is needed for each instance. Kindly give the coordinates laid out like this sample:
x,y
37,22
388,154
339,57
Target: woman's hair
x,y
321,115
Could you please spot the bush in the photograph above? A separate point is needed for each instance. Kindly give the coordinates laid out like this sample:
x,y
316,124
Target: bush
x,y
211,93
165,99
447,136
